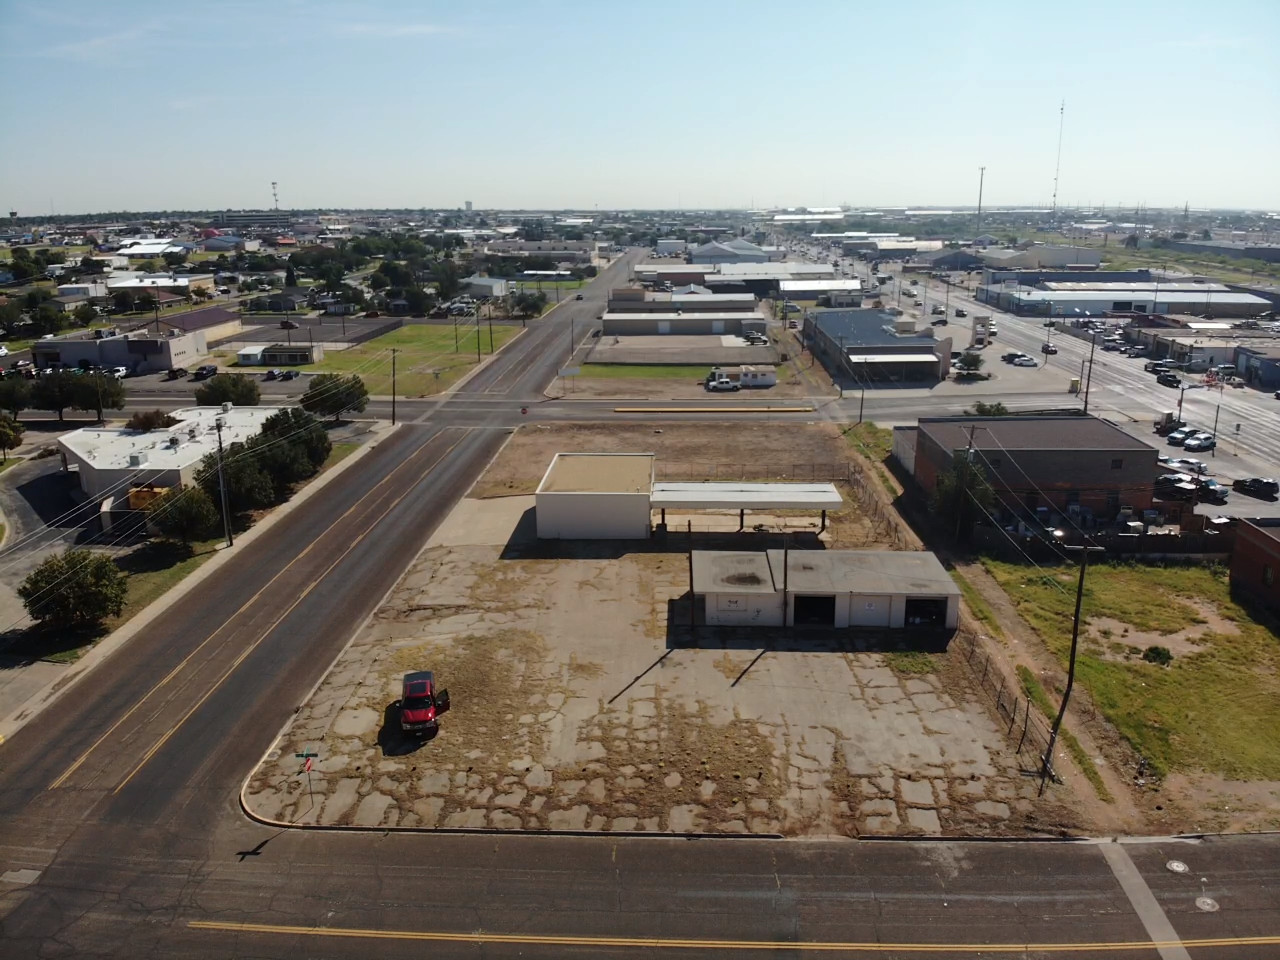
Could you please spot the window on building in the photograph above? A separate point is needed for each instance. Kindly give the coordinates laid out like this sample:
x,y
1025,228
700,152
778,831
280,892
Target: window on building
x,y
1122,306
1117,463
1268,575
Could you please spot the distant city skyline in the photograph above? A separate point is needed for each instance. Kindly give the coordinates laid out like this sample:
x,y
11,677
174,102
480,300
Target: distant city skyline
x,y
577,105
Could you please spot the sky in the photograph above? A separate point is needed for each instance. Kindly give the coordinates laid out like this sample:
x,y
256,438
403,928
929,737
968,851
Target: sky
x,y
690,104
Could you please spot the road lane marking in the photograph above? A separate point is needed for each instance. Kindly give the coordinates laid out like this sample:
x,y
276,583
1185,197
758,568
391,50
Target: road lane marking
x,y
1144,903
808,409
248,603
817,946
288,610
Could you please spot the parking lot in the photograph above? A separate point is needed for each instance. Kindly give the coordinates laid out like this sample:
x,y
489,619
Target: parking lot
x,y
334,333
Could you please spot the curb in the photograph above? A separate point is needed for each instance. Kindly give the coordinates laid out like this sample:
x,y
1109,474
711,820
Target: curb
x,y
104,648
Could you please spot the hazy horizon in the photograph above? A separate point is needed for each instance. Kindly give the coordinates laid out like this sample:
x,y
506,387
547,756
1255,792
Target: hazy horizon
x,y
572,106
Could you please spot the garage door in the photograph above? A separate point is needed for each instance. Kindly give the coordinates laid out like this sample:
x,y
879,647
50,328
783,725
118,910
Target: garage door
x,y
869,611
815,611
926,612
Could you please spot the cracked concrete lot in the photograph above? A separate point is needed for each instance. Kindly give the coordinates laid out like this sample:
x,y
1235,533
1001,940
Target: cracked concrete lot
x,y
572,712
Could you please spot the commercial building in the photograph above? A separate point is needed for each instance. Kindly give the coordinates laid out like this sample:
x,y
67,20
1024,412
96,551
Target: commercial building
x,y
137,353
682,300
279,355
152,249
1258,364
477,286
227,243
1255,562
866,589
1041,255
109,461
729,251
861,347
1059,300
903,248
669,246
179,283
848,291
709,322
272,219
946,259
91,290
1041,468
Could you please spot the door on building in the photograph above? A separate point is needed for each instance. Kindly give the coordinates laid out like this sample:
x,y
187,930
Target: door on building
x,y
664,326
925,612
869,611
717,326
811,611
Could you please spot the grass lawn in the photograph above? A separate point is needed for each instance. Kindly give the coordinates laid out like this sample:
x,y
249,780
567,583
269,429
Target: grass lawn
x,y
977,605
337,453
876,444
1216,707
426,360
1078,753
639,371
549,286
10,462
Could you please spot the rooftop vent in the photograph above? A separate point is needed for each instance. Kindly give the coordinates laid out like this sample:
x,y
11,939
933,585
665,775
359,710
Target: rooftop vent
x,y
137,460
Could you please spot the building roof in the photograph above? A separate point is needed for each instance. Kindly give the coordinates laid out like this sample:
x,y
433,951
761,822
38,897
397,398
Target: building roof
x,y
853,285
598,473
199,319
1206,297
821,572
869,328
173,448
1268,528
715,495
1030,433
692,315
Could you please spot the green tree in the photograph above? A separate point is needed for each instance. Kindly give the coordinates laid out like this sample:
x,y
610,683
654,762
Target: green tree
x,y
144,421
85,314
147,266
97,392
122,301
447,279
11,318
183,513
248,486
174,259
294,425
48,319
333,394
1205,234
74,589
530,303
962,495
970,362
144,302
283,461
15,395
55,392
10,435
90,267
378,281
1131,242
981,409
229,388
290,276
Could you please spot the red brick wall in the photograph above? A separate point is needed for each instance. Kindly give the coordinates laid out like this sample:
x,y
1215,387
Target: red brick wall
x,y
1256,551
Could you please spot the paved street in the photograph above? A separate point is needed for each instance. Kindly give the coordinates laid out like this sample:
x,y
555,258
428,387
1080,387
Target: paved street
x,y
121,833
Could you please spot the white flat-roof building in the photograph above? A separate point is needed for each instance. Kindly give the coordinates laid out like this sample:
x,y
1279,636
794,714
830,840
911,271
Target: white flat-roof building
x,y
111,460
886,589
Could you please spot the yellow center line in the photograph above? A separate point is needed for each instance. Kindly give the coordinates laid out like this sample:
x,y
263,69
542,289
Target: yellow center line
x,y
276,622
204,643
817,946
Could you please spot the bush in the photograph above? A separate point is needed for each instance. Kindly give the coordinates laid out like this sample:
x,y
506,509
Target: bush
x,y
1160,656
145,421
233,388
74,589
184,513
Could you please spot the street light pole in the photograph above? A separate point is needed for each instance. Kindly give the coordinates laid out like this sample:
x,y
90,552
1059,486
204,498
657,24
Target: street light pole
x,y
222,486
1093,345
1047,767
393,386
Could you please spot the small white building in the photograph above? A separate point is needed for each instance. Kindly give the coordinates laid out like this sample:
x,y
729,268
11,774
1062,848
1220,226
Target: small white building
x,y
82,289
749,375
670,246
595,496
886,589
112,460
478,286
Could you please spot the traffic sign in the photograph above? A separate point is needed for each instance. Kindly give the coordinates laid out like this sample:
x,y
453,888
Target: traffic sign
x,y
307,765
306,756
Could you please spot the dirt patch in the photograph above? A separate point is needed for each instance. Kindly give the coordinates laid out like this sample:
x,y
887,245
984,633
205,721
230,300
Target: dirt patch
x,y
1115,640
685,451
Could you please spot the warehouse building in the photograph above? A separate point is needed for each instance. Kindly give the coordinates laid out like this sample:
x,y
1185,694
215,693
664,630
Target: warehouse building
x,y
816,588
136,352
631,323
861,347
847,292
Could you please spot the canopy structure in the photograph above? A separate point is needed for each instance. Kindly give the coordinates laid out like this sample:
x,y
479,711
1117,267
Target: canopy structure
x,y
719,495
894,358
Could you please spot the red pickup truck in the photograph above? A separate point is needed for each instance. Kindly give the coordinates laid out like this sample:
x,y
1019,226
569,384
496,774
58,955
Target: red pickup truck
x,y
420,703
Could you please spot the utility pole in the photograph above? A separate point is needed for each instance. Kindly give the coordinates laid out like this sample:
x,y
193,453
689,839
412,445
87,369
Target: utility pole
x,y
222,486
977,229
1057,168
1047,767
963,477
1093,345
393,386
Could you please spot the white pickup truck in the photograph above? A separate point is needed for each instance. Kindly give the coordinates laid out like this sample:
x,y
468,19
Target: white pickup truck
x,y
722,383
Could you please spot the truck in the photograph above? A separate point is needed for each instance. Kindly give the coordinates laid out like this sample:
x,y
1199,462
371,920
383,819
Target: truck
x,y
1168,422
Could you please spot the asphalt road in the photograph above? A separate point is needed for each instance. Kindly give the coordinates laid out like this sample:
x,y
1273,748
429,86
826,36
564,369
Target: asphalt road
x,y
121,833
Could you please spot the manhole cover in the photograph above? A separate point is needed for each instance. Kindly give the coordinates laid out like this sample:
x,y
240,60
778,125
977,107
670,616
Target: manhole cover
x,y
1207,904
1176,866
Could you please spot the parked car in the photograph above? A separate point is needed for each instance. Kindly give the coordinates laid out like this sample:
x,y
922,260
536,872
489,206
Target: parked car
x,y
1168,380
917,303
176,373
421,703
960,312
722,384
1048,348
1179,437
1211,491
578,297
288,324
1025,362
937,310
1011,356
1175,486
1188,465
940,322
206,371
288,375
1257,486
1201,441
271,375
119,372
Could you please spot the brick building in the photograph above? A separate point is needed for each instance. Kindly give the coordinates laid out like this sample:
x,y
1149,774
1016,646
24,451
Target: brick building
x,y
1084,467
1255,562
